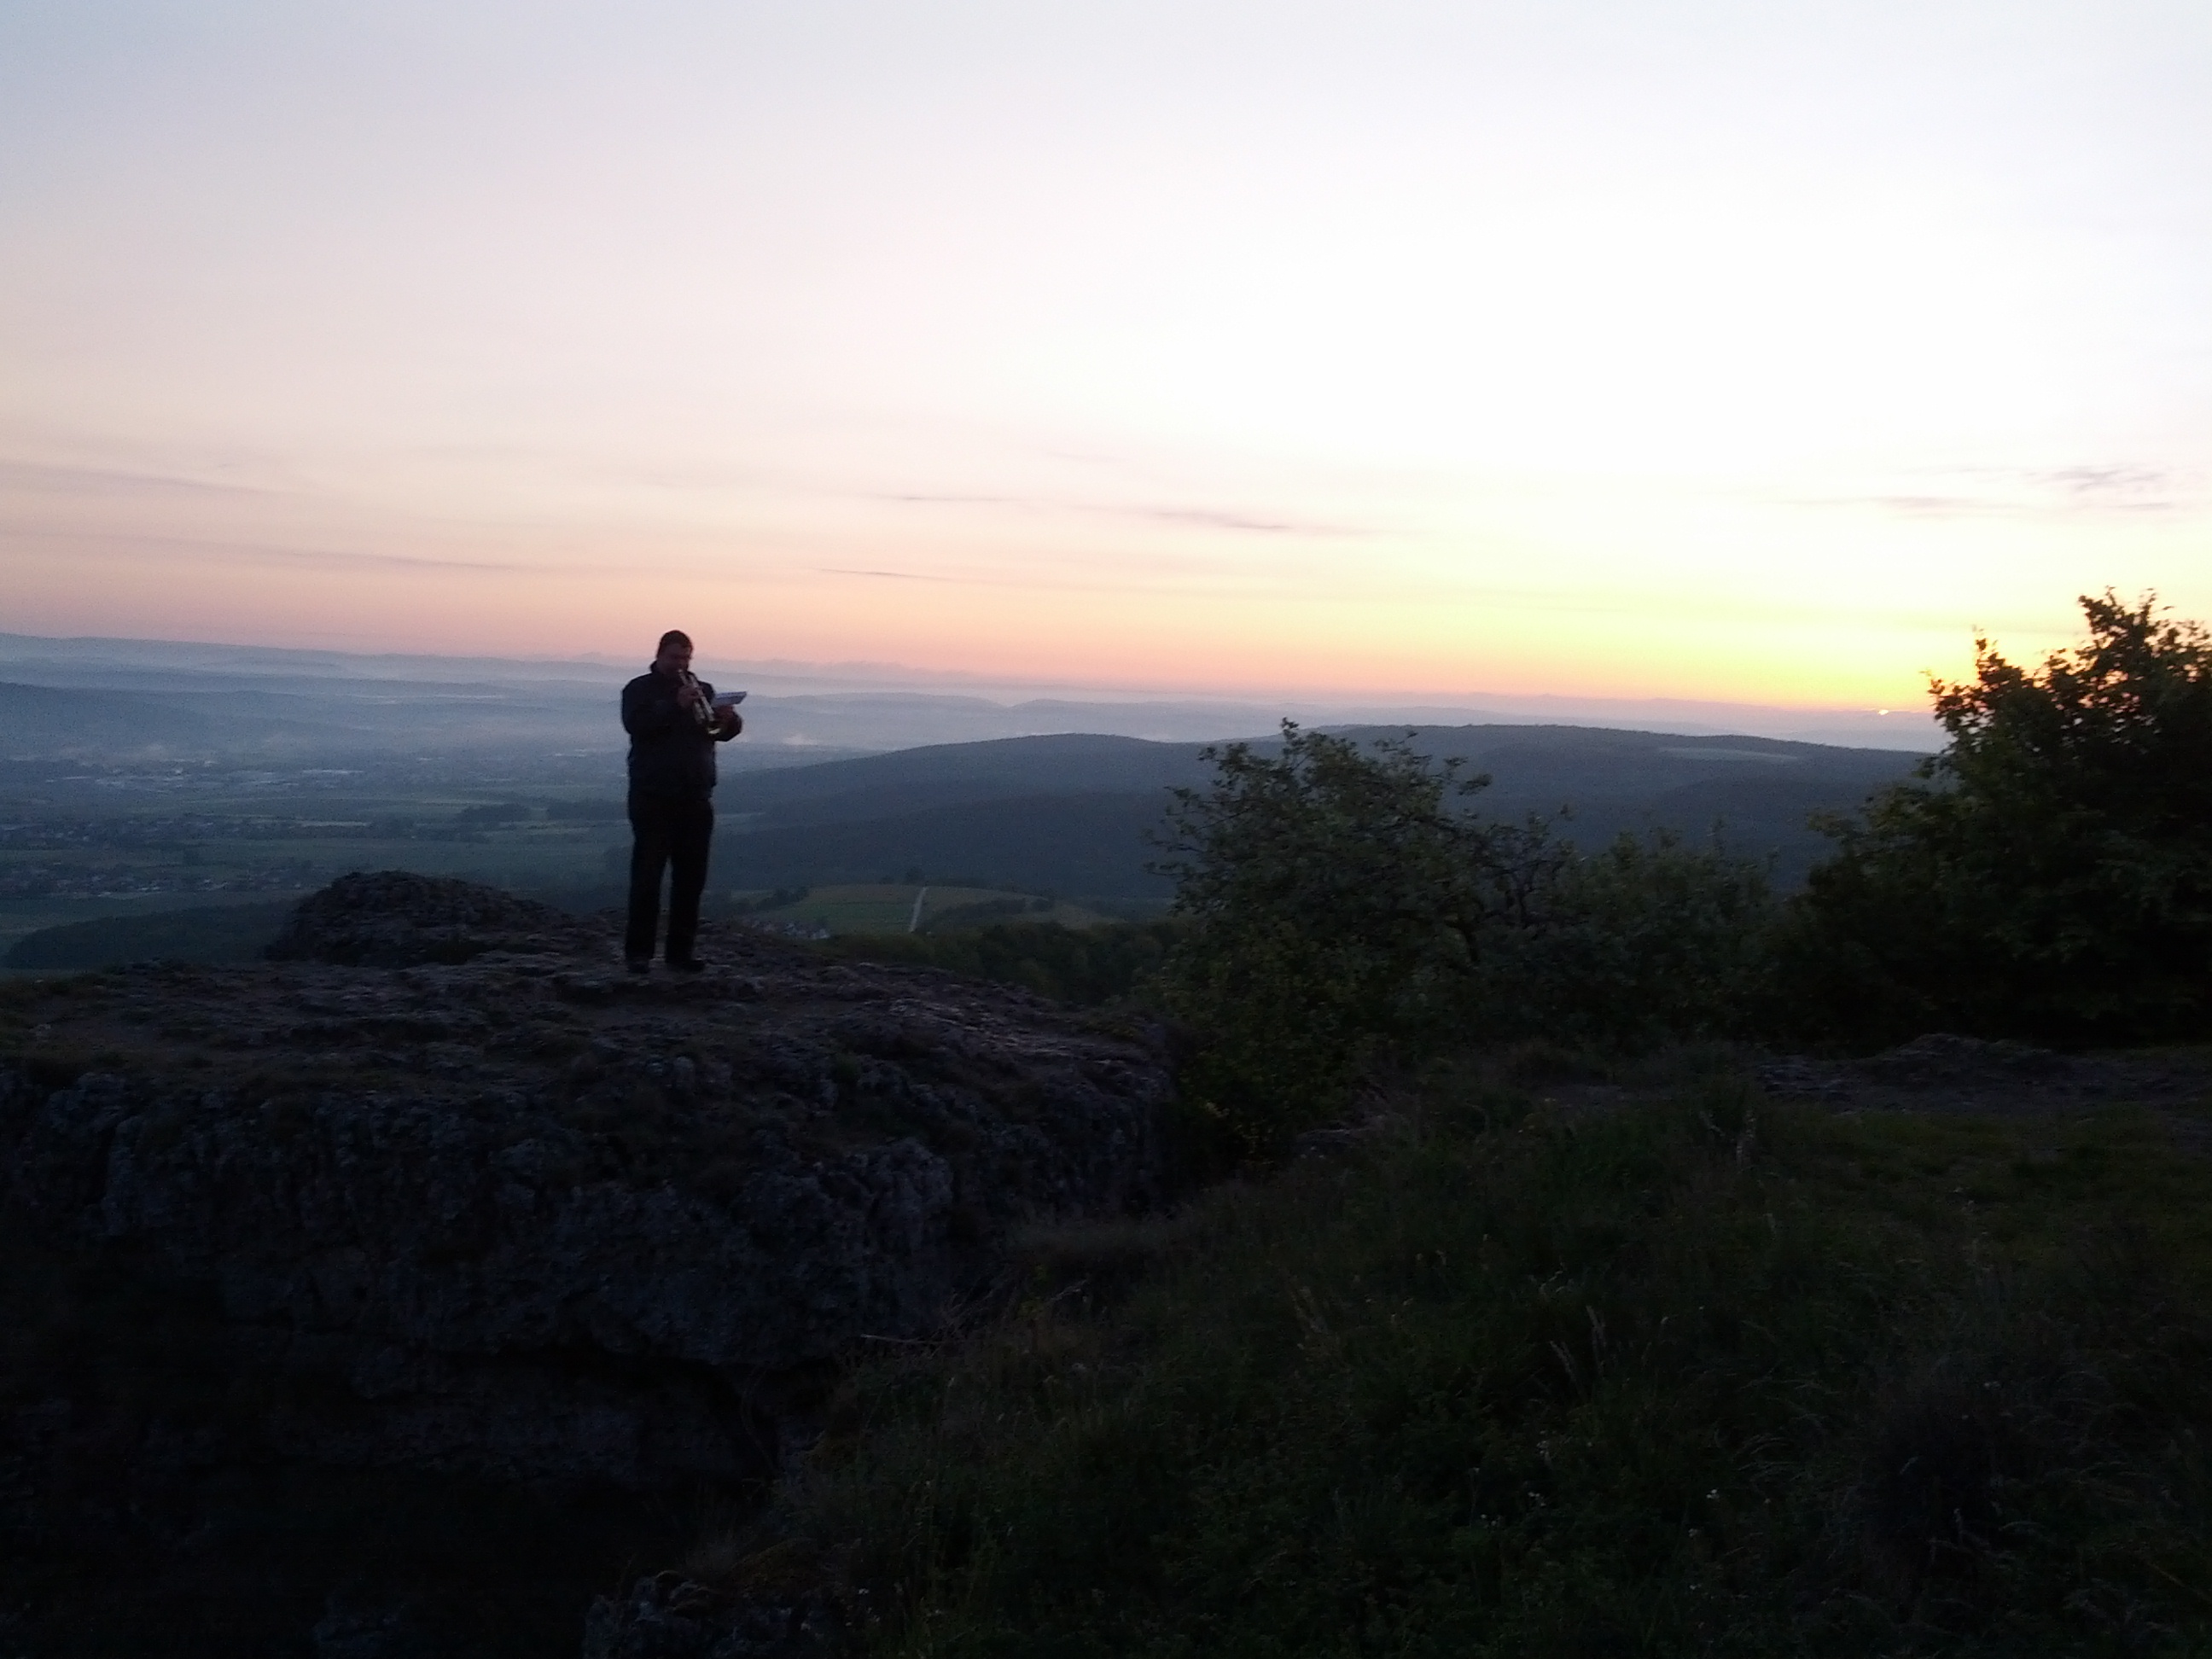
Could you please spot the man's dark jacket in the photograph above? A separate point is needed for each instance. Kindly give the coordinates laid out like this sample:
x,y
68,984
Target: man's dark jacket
x,y
671,754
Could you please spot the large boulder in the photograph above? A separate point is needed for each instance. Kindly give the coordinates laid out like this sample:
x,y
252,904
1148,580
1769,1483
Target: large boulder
x,y
397,919
517,1215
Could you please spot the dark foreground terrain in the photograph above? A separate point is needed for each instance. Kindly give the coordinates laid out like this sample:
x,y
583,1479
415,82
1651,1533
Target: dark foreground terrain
x,y
440,1291
398,1297
1910,1356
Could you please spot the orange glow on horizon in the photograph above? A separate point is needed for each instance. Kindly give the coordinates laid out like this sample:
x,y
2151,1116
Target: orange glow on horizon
x,y
1443,352
1339,645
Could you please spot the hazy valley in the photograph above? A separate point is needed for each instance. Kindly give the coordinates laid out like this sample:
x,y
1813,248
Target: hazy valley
x,y
138,779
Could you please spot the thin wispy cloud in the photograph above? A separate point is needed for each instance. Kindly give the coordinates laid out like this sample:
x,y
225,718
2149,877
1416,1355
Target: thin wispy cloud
x,y
2031,492
1203,517
110,482
2130,483
1218,519
229,552
896,575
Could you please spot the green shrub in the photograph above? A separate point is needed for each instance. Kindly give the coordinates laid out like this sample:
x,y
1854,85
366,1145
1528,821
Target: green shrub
x,y
1644,943
1343,916
1333,900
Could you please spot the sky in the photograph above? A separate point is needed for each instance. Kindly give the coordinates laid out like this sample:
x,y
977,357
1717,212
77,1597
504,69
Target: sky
x,y
1738,351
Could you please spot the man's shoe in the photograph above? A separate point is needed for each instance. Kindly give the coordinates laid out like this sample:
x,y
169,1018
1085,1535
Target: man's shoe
x,y
638,964
687,965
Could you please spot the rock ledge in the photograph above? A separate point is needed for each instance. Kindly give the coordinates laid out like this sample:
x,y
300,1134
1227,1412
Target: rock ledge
x,y
460,1196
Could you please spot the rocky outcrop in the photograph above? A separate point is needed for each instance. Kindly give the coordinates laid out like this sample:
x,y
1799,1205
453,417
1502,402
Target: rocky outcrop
x,y
397,919
525,1218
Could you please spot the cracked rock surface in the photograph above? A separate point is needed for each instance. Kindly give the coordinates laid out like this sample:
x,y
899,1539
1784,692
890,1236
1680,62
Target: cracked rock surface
x,y
523,1217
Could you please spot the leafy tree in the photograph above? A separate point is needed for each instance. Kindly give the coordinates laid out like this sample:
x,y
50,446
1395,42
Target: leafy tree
x,y
1329,916
2049,873
1341,911
1645,941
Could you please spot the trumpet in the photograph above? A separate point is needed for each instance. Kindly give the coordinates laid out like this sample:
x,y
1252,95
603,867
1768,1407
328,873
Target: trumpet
x,y
699,711
709,715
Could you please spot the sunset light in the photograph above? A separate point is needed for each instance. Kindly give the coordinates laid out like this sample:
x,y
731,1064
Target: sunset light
x,y
1697,350
955,830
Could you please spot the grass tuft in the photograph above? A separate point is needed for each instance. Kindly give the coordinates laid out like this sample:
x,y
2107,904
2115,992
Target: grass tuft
x,y
1692,1372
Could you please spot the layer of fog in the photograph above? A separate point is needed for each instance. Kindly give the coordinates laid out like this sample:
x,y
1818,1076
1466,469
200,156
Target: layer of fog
x,y
153,697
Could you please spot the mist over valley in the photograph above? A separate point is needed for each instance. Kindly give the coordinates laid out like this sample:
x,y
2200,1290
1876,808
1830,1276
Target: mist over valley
x,y
139,778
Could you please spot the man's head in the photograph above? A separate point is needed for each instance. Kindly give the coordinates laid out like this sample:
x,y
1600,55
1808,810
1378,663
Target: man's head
x,y
674,656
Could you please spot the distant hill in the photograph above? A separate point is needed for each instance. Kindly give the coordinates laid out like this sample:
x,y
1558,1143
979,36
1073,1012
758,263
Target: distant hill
x,y
194,718
1085,845
1069,814
1756,792
209,933
909,780
45,721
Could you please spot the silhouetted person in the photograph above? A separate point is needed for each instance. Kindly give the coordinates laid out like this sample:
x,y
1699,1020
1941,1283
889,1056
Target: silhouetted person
x,y
673,726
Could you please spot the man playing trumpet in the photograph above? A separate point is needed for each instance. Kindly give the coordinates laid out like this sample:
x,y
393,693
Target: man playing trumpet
x,y
674,721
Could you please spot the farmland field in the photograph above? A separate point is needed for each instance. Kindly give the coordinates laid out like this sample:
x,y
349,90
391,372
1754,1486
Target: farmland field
x,y
891,908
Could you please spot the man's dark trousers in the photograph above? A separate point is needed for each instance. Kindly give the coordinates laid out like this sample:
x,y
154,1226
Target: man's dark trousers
x,y
673,831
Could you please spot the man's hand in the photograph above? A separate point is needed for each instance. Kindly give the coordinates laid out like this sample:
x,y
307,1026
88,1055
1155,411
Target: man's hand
x,y
688,697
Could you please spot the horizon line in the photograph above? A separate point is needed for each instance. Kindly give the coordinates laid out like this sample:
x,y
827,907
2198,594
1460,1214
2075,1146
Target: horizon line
x,y
892,674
